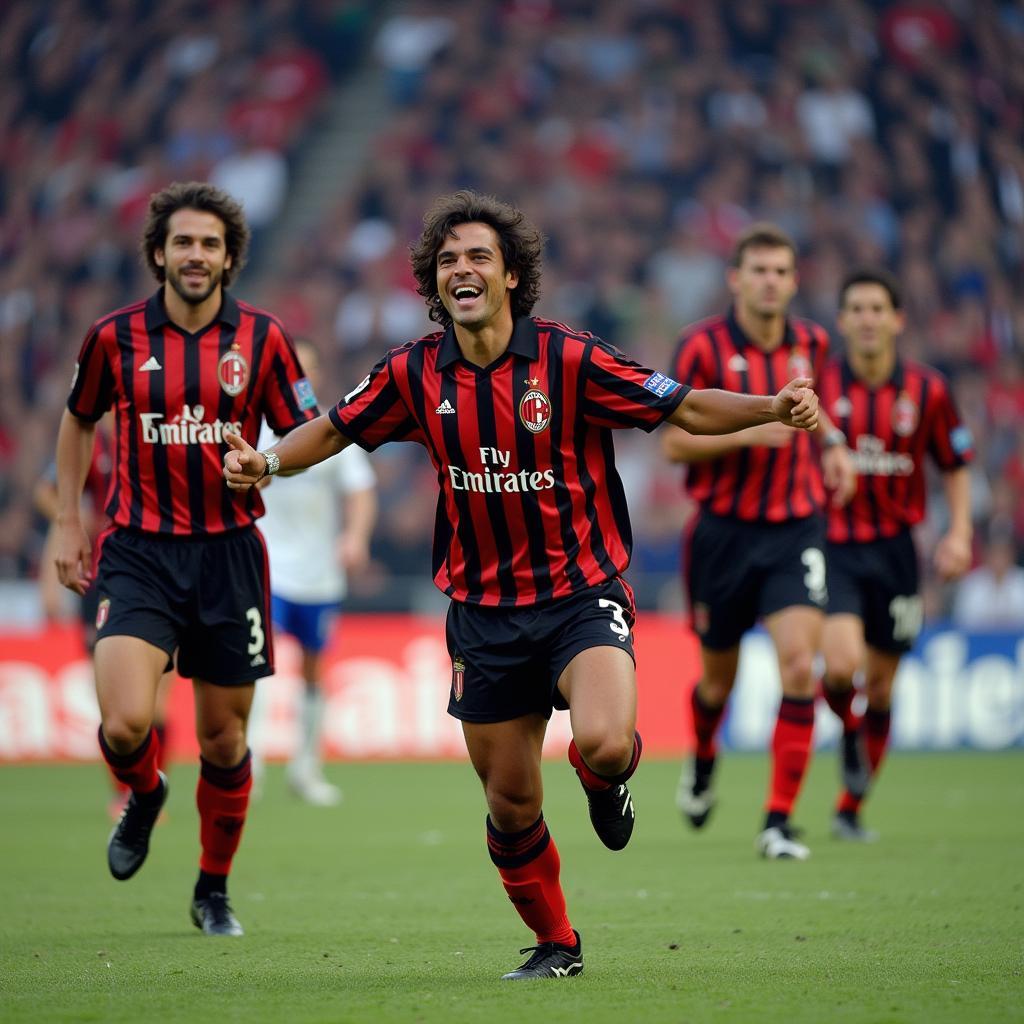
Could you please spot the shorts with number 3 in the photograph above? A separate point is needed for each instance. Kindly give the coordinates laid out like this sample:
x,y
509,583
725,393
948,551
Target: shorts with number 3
x,y
507,661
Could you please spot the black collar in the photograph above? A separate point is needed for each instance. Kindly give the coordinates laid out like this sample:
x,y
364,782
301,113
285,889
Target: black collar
x,y
156,313
523,343
740,338
895,378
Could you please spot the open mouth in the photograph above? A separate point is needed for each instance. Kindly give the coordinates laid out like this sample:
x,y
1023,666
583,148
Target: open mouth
x,y
466,294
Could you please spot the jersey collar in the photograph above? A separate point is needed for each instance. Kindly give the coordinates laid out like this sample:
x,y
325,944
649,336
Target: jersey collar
x,y
895,380
156,314
741,340
523,343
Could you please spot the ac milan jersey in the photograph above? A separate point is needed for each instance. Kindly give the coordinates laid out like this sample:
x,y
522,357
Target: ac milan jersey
x,y
889,429
761,483
173,395
531,507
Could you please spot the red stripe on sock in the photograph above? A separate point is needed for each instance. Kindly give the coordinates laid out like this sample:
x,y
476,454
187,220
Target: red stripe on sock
x,y
536,892
137,770
221,819
791,750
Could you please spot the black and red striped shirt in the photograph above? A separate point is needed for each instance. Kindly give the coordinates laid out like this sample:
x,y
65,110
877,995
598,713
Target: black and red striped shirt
x,y
889,429
754,484
531,507
173,395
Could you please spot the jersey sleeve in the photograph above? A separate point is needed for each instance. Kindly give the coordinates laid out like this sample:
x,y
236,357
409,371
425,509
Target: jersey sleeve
x,y
353,471
620,393
92,386
374,411
949,439
288,398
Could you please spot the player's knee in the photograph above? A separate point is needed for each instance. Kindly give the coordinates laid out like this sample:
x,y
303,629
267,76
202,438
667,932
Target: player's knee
x,y
840,668
608,754
797,670
224,746
125,733
512,811
714,692
878,691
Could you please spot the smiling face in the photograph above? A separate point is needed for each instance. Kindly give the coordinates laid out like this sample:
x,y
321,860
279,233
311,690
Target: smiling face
x,y
194,255
765,281
868,321
471,277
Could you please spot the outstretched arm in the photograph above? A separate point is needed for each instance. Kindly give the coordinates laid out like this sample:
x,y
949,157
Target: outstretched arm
x,y
712,411
305,446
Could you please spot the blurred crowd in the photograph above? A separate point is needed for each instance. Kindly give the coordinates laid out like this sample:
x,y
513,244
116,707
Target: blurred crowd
x,y
642,137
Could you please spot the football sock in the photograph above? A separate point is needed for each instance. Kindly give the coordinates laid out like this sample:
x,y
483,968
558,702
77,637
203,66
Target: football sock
x,y
222,796
841,703
528,864
876,736
208,883
311,711
791,750
593,780
875,729
137,770
705,725
160,728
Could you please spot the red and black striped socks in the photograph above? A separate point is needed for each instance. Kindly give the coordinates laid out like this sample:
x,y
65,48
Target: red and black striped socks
x,y
529,865
791,750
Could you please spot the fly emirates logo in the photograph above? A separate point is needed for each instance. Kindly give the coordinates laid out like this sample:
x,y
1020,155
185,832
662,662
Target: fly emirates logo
x,y
497,478
188,427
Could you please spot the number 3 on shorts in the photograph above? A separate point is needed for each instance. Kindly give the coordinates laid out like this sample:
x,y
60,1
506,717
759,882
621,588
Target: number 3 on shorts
x,y
814,579
256,637
618,625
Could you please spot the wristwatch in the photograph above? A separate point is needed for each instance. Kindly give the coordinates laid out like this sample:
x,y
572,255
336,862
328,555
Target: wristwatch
x,y
833,438
273,463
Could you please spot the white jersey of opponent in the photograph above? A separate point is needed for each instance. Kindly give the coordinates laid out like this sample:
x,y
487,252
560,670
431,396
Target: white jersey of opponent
x,y
303,523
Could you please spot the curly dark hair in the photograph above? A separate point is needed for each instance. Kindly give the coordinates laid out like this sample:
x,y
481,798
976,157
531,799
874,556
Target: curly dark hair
x,y
521,247
195,195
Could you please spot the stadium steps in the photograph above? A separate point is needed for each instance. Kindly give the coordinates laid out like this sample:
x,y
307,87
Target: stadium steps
x,y
331,160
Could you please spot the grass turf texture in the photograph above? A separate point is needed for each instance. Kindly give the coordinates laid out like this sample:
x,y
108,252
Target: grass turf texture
x,y
387,908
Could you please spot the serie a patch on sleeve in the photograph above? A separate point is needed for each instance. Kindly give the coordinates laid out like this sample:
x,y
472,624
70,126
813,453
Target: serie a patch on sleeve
x,y
304,393
961,439
660,385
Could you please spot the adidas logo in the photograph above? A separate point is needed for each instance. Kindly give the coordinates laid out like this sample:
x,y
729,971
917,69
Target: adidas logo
x,y
258,660
445,408
737,363
149,365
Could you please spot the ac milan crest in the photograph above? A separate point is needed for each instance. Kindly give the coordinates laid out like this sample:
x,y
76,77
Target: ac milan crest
x,y
535,411
102,613
233,372
458,677
904,415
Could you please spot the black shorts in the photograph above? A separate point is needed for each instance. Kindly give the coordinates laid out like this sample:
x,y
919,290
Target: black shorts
x,y
878,582
738,572
204,597
506,662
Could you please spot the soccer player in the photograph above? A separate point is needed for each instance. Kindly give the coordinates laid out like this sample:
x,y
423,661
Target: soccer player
x,y
182,571
312,547
756,549
531,532
893,412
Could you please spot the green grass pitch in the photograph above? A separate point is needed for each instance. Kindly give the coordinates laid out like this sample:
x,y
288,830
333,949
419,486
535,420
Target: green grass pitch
x,y
387,908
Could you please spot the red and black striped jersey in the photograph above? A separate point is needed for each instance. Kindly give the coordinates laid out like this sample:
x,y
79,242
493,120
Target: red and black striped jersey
x,y
754,484
531,507
889,429
173,395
